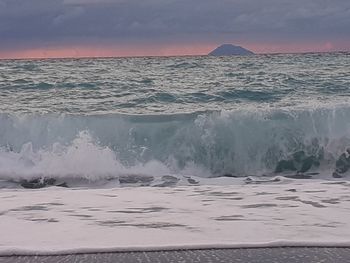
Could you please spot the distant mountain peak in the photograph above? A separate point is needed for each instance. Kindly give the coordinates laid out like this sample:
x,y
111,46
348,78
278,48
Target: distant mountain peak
x,y
230,50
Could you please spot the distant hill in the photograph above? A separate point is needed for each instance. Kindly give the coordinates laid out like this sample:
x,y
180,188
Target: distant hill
x,y
230,50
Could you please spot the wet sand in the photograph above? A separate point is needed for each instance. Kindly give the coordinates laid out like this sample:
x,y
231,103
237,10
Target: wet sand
x,y
246,255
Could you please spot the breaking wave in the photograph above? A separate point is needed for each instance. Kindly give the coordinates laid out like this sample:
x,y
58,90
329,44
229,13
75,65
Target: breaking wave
x,y
239,143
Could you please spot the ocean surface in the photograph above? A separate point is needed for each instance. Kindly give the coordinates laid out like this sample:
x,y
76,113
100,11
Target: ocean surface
x,y
143,154
99,120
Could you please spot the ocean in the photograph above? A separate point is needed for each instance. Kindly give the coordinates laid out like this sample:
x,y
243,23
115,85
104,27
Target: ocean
x,y
97,119
255,145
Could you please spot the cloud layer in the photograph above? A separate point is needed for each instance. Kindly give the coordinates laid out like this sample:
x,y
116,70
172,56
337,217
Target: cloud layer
x,y
45,23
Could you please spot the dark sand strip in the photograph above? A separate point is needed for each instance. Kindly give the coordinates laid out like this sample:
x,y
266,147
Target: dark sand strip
x,y
245,255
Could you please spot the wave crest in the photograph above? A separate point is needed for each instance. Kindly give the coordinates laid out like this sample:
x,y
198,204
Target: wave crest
x,y
205,144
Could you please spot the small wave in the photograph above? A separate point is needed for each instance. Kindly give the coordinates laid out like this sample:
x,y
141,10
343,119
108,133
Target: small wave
x,y
185,65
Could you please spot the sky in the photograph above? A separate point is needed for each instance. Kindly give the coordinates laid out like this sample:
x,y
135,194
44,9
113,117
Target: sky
x,y
79,28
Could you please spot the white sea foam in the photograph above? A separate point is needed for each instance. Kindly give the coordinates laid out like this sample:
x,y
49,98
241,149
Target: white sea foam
x,y
61,221
83,158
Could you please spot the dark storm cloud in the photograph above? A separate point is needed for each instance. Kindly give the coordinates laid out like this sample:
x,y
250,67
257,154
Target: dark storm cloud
x,y
38,22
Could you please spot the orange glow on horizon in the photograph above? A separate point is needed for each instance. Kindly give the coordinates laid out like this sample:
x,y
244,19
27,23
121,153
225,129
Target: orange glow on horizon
x,y
81,51
165,50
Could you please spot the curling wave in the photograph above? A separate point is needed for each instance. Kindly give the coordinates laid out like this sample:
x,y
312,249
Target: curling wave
x,y
238,143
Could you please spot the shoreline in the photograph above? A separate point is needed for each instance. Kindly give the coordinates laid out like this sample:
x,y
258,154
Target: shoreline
x,y
87,251
251,255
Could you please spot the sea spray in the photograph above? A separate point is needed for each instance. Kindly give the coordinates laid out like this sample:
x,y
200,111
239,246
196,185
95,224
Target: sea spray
x,y
207,144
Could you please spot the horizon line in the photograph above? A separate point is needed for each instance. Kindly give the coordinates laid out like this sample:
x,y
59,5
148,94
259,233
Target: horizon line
x,y
173,56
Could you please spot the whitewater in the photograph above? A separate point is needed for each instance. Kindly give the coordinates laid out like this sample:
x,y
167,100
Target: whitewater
x,y
115,151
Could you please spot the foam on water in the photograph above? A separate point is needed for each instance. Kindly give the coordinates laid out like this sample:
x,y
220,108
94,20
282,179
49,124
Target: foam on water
x,y
66,221
83,158
241,142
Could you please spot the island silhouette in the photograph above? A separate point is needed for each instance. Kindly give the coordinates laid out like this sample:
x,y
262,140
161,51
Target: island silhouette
x,y
230,50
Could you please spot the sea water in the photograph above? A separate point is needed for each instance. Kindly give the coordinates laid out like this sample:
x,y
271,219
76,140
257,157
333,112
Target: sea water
x,y
203,116
174,152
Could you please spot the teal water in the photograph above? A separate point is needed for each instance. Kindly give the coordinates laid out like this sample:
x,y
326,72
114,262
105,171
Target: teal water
x,y
206,116
172,85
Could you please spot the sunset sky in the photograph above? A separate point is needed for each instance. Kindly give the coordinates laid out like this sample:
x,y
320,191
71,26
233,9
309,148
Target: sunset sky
x,y
79,28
